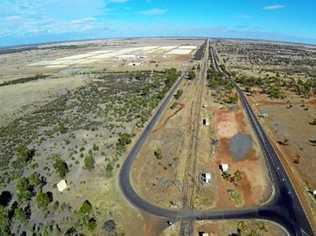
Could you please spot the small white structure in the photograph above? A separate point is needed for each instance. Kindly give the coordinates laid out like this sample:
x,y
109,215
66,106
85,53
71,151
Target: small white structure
x,y
203,234
224,167
314,193
62,185
205,122
206,177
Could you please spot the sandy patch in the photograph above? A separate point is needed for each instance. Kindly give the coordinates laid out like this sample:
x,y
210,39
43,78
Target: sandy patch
x,y
226,125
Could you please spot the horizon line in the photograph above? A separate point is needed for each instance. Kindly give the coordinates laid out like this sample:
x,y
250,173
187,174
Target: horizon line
x,y
43,43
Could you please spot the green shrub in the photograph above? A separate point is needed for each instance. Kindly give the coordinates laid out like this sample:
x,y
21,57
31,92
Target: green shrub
x,y
23,189
60,166
20,215
191,75
92,224
178,94
85,208
95,147
42,200
35,179
89,162
158,154
4,222
124,139
24,154
109,168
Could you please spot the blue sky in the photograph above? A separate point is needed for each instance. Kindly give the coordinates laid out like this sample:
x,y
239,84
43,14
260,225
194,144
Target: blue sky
x,y
34,21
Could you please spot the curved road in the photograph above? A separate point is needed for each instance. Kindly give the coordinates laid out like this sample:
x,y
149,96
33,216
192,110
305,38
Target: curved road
x,y
284,209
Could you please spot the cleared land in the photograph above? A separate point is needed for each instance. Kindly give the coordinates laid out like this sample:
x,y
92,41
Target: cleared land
x,y
280,82
224,228
71,112
170,165
75,123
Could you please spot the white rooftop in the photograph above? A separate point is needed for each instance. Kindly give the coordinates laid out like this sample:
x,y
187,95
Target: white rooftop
x,y
62,185
224,167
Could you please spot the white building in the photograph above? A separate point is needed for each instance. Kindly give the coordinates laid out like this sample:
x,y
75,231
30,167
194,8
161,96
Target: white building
x,y
62,185
224,167
206,177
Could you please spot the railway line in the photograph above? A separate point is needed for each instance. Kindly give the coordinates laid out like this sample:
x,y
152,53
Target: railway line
x,y
284,208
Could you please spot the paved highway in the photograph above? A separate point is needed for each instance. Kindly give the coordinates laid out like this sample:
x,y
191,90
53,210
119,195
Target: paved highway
x,y
284,209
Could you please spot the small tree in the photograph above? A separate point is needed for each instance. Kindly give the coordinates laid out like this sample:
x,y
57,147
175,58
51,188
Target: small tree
x,y
109,169
178,94
191,75
158,154
124,139
42,200
61,167
85,208
89,162
23,189
20,215
35,179
24,154
92,224
4,222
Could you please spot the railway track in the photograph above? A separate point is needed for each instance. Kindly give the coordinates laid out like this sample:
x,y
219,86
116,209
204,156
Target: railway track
x,y
190,177
284,208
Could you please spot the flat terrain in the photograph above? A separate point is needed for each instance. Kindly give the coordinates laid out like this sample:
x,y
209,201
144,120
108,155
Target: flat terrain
x,y
224,228
70,112
169,168
75,122
280,82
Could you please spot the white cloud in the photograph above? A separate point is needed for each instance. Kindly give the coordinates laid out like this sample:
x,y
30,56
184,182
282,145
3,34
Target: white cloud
x,y
155,12
274,7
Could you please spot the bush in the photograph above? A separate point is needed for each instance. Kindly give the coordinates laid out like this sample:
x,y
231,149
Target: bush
x,y
20,215
178,94
4,222
109,168
191,75
42,200
92,224
35,179
24,154
124,139
89,162
85,208
23,189
61,167
95,147
158,154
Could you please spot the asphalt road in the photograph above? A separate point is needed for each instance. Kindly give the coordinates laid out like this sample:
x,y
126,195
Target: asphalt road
x,y
284,209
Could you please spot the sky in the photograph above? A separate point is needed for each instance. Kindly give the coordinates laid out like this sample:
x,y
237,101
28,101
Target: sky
x,y
37,21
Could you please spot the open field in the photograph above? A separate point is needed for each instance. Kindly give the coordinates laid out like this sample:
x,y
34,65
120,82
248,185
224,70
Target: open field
x,y
73,111
168,170
74,123
280,82
121,55
224,228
